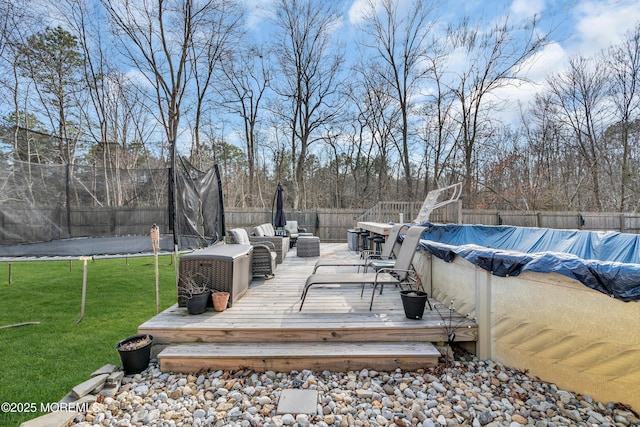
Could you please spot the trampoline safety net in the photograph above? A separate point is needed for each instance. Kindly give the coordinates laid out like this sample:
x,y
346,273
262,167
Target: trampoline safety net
x,y
75,210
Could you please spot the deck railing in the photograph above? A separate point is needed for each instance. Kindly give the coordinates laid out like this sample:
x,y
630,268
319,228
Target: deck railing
x,y
388,211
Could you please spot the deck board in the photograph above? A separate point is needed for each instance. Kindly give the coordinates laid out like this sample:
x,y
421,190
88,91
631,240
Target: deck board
x,y
267,319
272,305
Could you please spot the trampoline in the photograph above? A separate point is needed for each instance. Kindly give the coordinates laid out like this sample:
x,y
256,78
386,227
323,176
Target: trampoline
x,y
75,212
58,211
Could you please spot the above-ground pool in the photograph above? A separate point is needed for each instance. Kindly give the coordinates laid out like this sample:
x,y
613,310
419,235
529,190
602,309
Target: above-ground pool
x,y
562,305
608,262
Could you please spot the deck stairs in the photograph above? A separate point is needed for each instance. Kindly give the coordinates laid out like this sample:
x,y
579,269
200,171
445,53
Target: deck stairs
x,y
265,331
284,357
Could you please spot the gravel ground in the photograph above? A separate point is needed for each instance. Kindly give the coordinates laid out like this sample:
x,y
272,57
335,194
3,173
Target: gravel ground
x,y
466,391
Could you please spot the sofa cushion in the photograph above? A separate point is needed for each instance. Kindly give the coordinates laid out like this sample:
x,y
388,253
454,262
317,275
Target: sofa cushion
x,y
240,236
268,229
258,231
292,228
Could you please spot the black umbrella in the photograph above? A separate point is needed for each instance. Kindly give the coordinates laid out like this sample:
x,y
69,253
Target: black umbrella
x,y
280,220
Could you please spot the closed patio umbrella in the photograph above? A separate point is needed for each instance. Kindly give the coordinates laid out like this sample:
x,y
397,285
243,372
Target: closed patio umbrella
x,y
279,221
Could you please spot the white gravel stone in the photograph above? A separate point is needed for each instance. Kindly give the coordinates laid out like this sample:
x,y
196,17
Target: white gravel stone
x,y
288,420
470,392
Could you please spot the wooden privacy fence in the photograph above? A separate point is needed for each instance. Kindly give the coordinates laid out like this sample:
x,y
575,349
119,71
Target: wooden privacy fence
x,y
331,225
594,221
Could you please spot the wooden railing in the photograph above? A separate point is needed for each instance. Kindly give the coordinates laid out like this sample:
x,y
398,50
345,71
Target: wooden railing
x,y
409,211
391,211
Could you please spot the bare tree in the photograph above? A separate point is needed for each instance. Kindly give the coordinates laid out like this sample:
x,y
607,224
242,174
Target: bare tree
x,y
357,150
551,163
217,36
308,79
158,37
579,95
495,58
400,47
246,78
381,115
623,62
439,130
81,17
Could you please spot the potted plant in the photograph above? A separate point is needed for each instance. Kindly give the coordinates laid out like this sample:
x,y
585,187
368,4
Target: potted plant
x,y
414,301
196,294
135,353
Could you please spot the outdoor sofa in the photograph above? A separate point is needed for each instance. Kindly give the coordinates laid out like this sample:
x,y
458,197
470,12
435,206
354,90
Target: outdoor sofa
x,y
263,260
266,232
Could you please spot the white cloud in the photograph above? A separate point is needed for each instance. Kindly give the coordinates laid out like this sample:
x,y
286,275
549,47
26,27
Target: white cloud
x,y
549,60
138,78
600,24
360,8
523,9
258,12
357,11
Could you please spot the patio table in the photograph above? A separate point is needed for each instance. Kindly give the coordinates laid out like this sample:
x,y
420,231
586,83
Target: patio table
x,y
381,228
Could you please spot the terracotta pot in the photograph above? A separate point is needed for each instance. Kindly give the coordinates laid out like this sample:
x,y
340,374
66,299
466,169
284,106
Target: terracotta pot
x,y
220,300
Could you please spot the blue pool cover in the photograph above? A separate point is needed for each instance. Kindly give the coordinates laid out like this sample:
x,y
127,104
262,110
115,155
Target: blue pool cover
x,y
608,262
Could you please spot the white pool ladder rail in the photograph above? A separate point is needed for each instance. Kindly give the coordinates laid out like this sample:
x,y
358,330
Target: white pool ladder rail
x,y
431,201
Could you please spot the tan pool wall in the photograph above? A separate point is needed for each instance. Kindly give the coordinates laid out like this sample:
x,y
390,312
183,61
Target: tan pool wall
x,y
547,324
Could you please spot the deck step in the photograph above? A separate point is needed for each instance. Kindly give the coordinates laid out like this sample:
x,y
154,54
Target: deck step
x,y
284,357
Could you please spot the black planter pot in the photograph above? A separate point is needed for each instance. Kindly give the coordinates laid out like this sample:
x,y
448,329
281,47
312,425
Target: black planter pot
x,y
198,303
135,360
413,303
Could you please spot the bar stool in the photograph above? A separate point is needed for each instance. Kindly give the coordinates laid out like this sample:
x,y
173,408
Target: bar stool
x,y
364,242
370,244
378,240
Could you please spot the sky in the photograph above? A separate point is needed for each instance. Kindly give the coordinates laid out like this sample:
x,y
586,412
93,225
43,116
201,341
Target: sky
x,y
584,26
579,27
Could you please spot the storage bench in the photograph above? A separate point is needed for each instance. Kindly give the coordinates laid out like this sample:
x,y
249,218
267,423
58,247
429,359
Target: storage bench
x,y
220,267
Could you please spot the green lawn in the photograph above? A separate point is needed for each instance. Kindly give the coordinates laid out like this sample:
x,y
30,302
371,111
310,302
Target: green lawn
x,y
41,363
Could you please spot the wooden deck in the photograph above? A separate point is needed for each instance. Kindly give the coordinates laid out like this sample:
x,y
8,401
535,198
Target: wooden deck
x,y
264,330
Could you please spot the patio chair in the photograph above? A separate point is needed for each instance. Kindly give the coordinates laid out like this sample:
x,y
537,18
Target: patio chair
x,y
294,232
263,259
401,273
266,233
385,257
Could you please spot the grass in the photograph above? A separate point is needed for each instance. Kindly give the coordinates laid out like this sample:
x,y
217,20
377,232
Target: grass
x,y
40,364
